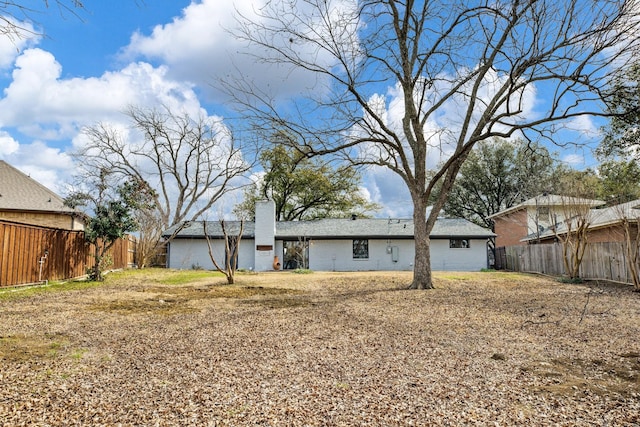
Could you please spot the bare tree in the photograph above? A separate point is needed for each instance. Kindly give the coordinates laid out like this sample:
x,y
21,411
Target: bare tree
x,y
573,235
150,243
632,248
190,163
231,248
629,216
461,72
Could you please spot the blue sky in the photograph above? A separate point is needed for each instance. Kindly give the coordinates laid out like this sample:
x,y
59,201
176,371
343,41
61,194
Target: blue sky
x,y
89,68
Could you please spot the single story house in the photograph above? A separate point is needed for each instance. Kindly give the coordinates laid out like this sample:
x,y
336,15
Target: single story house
x,y
24,200
356,244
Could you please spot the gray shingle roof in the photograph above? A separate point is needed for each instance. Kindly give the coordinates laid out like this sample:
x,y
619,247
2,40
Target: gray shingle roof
x,y
597,218
195,229
22,193
550,200
342,228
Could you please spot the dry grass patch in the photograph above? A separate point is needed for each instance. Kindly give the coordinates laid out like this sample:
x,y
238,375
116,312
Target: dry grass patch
x,y
184,292
615,377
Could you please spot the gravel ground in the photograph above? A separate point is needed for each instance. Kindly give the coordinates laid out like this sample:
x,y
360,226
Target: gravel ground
x,y
322,349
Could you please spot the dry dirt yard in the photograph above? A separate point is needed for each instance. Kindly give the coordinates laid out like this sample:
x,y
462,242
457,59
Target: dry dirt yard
x,y
323,349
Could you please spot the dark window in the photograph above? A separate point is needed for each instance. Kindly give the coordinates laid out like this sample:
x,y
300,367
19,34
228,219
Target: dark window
x,y
360,249
296,254
459,243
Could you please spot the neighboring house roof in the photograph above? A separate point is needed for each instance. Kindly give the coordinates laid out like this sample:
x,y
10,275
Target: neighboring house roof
x,y
549,200
597,218
612,215
340,228
19,192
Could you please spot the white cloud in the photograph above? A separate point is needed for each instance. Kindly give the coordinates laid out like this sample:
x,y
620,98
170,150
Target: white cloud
x,y
585,126
50,111
200,47
574,160
196,45
386,188
12,44
49,166
8,145
42,105
190,37
626,38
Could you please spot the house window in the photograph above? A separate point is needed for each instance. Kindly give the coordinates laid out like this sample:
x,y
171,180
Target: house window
x,y
360,249
459,243
296,254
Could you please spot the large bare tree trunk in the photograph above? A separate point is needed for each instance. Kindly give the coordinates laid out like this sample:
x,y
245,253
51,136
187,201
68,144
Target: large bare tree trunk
x,y
422,261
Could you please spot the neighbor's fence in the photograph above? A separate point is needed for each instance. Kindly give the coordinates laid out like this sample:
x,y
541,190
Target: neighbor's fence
x,y
31,254
605,261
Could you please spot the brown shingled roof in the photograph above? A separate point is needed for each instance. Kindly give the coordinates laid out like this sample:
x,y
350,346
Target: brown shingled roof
x,y
20,192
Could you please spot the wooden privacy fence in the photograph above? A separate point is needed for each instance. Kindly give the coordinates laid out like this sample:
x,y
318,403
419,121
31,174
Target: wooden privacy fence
x,y
31,254
605,261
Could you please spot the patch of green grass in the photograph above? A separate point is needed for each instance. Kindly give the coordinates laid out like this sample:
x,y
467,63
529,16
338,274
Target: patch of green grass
x,y
182,277
78,354
302,271
484,276
129,276
28,291
54,348
246,271
28,347
454,275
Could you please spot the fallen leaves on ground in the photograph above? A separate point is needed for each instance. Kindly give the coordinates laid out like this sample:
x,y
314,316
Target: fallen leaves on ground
x,y
323,349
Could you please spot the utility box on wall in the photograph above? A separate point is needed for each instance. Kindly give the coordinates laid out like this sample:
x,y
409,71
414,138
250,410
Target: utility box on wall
x,y
395,253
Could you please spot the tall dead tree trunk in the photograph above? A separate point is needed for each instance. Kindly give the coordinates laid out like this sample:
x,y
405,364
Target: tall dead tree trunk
x,y
422,266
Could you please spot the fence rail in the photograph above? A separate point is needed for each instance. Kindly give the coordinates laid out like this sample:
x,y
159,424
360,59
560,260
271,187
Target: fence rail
x,y
605,261
31,254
